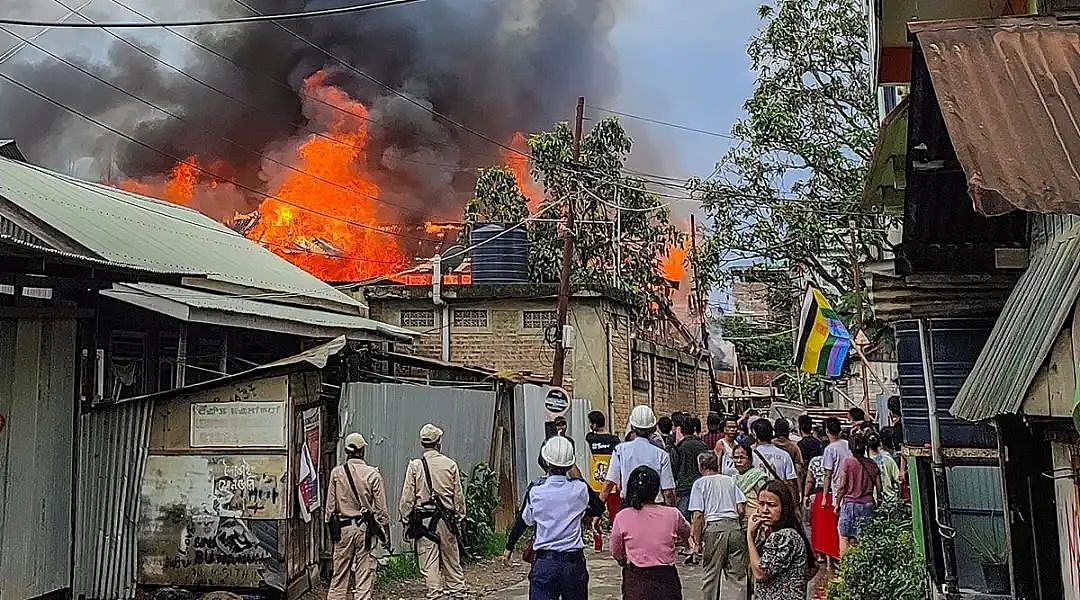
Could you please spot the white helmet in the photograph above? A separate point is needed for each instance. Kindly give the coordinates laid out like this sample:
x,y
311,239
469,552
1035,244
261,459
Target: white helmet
x,y
642,417
354,442
558,452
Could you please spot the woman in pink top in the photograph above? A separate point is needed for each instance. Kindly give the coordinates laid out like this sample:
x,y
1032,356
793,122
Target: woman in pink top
x,y
859,478
643,539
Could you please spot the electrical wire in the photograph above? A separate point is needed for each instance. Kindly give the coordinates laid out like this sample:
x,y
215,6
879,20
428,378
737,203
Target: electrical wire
x,y
16,48
665,123
228,234
285,86
179,160
210,132
311,14
94,188
386,86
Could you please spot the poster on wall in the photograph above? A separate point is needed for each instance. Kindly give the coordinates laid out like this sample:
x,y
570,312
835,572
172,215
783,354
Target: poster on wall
x,y
308,488
238,425
212,520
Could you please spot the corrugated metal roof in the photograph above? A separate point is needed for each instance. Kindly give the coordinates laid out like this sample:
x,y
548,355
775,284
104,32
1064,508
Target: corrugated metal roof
x,y
1024,333
198,306
886,181
1009,94
157,236
316,357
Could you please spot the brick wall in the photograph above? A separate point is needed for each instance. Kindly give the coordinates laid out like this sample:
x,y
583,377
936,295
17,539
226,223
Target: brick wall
x,y
504,343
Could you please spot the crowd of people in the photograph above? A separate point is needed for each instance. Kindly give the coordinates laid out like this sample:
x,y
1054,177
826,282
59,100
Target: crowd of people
x,y
756,506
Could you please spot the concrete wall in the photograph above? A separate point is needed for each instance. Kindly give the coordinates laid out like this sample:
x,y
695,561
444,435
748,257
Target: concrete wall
x,y
607,341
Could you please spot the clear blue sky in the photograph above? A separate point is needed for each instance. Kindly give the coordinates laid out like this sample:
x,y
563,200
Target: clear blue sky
x,y
684,61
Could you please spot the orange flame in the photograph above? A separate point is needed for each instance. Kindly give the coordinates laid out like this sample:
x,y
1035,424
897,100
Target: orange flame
x,y
325,221
673,265
180,188
519,165
323,215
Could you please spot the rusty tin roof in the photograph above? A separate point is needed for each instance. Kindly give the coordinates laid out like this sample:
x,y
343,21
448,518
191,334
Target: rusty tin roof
x,y
1010,93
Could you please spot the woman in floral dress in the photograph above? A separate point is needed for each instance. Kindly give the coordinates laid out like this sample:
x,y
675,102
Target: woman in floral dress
x,y
782,564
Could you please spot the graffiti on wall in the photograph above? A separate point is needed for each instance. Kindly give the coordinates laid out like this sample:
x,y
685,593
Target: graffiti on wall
x,y
212,520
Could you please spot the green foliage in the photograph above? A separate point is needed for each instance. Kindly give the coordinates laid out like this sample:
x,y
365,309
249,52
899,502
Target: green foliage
x,y
598,185
800,386
789,194
399,567
497,198
883,565
481,499
758,348
987,541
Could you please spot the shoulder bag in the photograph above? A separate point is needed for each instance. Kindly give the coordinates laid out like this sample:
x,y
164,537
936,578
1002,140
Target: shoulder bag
x,y
424,518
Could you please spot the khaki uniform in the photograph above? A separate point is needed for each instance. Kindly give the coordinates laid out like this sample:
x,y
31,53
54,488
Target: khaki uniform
x,y
350,555
444,556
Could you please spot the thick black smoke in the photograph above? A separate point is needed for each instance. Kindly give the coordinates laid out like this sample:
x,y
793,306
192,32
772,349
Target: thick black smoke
x,y
498,66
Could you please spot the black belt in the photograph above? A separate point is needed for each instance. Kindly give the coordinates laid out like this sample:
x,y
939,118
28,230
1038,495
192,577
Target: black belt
x,y
567,556
357,520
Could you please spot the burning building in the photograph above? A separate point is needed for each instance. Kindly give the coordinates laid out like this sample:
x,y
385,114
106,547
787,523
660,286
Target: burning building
x,y
351,150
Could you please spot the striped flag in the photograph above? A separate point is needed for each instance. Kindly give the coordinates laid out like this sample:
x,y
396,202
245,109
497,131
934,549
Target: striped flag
x,y
823,341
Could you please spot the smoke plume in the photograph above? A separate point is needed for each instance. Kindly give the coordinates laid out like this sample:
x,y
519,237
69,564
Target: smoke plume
x,y
498,66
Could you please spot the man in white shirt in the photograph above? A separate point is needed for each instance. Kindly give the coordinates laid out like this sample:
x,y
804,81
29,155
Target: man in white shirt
x,y
775,461
833,456
637,452
717,504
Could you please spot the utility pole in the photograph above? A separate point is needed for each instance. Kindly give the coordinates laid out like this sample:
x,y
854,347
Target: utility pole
x,y
714,390
559,364
942,507
859,317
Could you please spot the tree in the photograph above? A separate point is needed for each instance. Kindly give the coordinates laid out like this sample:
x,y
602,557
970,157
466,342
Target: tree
x,y
757,347
789,193
607,201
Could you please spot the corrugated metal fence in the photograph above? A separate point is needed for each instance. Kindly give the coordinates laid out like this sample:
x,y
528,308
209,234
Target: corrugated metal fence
x,y
977,514
390,416
113,446
37,376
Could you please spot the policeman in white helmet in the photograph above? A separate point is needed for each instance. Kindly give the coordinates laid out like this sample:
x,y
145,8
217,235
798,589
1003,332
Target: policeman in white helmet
x,y
556,508
637,452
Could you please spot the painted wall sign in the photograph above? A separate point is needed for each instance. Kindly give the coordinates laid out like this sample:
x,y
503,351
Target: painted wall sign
x,y
238,425
212,520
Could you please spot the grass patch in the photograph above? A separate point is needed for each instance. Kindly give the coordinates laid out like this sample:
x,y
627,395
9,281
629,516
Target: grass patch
x,y
397,568
492,545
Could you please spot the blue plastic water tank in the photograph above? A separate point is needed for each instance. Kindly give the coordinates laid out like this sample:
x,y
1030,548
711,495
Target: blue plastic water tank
x,y
504,259
956,345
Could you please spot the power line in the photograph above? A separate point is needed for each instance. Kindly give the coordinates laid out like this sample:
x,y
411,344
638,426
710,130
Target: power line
x,y
179,160
253,107
664,123
388,87
230,233
15,48
203,129
327,12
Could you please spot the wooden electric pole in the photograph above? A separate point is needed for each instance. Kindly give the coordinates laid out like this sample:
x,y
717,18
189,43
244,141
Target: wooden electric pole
x,y
714,389
559,364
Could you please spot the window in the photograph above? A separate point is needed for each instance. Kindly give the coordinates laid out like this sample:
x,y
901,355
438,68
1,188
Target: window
x,y
418,318
538,319
470,317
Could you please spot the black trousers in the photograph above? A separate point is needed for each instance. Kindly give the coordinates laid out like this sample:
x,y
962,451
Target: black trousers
x,y
651,583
